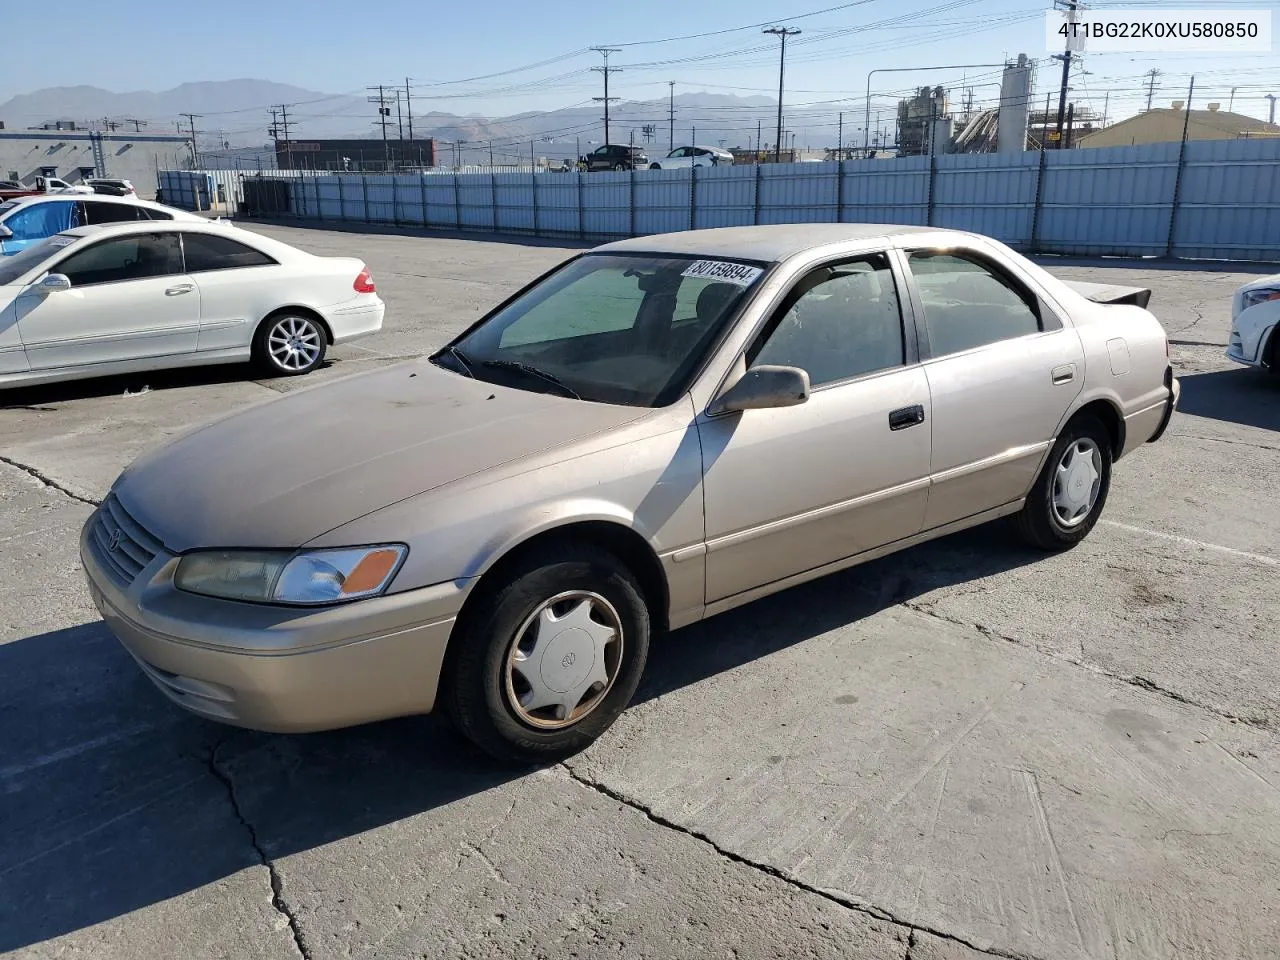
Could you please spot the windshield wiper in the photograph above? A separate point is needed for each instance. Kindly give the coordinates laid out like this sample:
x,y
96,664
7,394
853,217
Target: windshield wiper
x,y
533,371
461,358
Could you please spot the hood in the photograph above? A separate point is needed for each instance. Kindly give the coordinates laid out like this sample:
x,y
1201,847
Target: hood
x,y
284,472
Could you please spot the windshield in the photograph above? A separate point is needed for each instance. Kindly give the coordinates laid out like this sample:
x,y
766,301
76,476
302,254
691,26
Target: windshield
x,y
626,329
11,268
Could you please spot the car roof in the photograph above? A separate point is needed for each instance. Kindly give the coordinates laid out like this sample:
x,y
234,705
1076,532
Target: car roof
x,y
772,243
266,244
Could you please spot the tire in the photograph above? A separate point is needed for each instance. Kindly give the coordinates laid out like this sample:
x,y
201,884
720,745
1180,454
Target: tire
x,y
655,166
481,689
289,344
1041,521
619,166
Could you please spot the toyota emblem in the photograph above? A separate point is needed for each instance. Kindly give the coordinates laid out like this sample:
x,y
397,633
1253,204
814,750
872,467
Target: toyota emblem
x,y
116,536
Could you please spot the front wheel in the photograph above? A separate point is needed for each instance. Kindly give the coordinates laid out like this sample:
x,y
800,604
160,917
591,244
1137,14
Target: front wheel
x,y
289,344
546,661
655,166
1068,496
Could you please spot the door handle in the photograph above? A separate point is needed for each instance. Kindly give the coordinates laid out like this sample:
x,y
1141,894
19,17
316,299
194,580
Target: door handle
x,y
906,417
179,289
1064,373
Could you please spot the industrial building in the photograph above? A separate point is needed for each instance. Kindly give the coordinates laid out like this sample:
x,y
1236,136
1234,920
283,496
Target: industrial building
x,y
371,155
926,123
1165,126
75,154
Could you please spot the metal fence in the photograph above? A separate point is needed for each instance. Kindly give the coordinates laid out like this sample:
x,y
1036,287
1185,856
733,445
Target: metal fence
x,y
1206,200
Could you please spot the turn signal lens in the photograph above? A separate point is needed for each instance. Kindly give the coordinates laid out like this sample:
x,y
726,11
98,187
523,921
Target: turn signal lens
x,y
364,282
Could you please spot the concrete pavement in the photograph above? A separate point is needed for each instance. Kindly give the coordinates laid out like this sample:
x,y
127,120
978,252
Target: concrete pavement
x,y
964,749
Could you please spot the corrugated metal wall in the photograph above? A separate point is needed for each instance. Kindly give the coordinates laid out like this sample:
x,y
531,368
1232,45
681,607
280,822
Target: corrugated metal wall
x,y
1112,201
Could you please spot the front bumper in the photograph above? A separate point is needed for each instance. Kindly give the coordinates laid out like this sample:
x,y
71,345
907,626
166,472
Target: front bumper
x,y
278,669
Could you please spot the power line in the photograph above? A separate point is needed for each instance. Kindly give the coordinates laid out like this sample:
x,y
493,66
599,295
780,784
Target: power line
x,y
782,32
384,115
1151,85
195,151
606,70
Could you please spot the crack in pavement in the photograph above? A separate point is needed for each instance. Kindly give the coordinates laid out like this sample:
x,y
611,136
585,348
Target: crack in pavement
x,y
835,896
1242,443
48,481
1133,680
277,886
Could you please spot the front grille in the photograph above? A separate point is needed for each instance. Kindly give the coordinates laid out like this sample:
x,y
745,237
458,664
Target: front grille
x,y
119,542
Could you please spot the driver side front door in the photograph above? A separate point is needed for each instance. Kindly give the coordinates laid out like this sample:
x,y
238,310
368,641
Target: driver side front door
x,y
129,299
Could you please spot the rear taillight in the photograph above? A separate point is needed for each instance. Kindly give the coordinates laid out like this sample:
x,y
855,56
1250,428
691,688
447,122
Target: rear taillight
x,y
364,282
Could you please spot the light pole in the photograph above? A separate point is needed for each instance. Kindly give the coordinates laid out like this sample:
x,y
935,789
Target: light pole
x,y
782,32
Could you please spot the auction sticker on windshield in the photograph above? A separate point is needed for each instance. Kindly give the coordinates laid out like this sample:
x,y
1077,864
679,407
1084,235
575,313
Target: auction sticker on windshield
x,y
739,273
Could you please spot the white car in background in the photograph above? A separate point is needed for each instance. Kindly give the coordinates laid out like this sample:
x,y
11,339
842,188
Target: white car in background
x,y
1255,318
683,157
25,221
137,296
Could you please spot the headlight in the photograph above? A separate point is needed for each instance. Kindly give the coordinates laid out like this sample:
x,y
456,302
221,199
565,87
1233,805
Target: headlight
x,y
278,576
1254,297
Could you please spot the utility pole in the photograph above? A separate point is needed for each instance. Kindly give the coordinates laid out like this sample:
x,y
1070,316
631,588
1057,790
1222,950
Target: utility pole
x,y
384,114
1151,86
1272,98
137,124
1065,57
840,136
606,70
491,153
671,117
782,32
408,106
399,118
759,143
195,151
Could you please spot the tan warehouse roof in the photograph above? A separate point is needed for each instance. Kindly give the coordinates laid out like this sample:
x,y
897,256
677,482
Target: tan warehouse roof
x,y
1165,125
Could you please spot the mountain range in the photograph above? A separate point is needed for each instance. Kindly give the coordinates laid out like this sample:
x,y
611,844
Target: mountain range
x,y
237,114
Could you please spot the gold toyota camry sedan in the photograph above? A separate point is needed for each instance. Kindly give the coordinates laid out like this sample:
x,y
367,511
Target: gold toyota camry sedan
x,y
656,431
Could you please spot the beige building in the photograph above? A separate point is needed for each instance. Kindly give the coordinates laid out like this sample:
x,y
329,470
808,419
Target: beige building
x,y
1165,125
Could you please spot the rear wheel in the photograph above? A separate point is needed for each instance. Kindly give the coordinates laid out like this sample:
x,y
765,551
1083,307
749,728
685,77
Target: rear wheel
x,y
289,344
547,660
1068,496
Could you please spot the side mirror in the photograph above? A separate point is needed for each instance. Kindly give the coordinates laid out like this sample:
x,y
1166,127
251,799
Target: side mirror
x,y
55,281
5,232
764,387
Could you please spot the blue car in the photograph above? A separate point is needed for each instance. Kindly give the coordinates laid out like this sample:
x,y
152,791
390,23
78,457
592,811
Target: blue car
x,y
28,220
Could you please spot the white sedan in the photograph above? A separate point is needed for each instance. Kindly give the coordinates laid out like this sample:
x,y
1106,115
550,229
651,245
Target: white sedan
x,y
129,297
1255,318
683,157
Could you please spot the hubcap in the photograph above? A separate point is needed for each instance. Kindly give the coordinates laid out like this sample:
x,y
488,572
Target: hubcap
x,y
1077,482
294,343
564,659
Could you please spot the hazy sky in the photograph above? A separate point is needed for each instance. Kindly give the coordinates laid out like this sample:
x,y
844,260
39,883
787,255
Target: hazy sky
x,y
342,47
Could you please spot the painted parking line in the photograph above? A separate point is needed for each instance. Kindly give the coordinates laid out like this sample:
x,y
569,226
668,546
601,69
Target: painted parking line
x,y
1192,542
